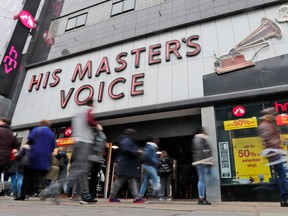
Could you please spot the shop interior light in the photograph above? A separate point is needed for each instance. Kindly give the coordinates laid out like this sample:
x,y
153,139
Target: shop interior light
x,y
115,147
158,152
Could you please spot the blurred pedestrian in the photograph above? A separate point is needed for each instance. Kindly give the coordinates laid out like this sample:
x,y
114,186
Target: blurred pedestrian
x,y
83,125
96,159
8,142
15,172
202,160
268,131
165,173
40,145
56,164
150,168
128,165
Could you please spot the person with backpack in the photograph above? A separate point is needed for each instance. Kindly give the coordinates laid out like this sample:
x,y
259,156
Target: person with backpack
x,y
96,159
202,160
165,173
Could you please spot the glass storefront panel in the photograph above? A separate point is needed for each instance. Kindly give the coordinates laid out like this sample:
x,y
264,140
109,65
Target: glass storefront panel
x,y
240,160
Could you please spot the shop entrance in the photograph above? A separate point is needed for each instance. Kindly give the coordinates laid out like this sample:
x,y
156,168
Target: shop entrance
x,y
175,136
184,183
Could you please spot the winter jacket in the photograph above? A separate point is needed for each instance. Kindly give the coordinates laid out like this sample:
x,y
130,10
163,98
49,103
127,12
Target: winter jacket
x,y
128,159
150,156
165,166
98,148
42,141
201,150
7,143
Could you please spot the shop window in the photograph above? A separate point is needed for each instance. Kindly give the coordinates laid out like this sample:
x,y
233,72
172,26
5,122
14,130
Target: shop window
x,y
239,145
76,22
122,7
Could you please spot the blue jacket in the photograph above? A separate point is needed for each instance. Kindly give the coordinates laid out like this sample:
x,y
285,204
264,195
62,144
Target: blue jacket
x,y
128,159
150,156
42,142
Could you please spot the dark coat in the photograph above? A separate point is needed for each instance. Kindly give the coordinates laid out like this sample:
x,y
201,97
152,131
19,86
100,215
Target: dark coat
x,y
7,143
98,148
128,159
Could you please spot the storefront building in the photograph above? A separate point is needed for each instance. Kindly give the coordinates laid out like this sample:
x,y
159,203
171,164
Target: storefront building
x,y
168,79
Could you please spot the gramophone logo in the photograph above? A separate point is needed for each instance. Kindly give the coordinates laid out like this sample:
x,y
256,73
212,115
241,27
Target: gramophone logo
x,y
235,60
283,14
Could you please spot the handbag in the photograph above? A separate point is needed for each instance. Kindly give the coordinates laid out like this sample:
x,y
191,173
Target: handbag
x,y
24,156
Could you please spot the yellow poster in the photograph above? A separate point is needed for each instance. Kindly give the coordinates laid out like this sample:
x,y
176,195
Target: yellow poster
x,y
284,141
240,124
248,161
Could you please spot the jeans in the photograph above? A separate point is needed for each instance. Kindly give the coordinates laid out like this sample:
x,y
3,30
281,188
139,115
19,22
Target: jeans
x,y
117,185
149,172
165,185
16,183
282,180
202,171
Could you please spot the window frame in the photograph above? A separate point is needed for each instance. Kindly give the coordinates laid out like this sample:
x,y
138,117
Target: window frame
x,y
76,20
122,7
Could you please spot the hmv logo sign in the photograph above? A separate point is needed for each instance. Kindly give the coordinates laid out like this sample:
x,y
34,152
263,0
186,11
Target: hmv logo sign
x,y
281,107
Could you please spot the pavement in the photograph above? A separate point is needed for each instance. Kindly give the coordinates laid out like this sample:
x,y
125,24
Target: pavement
x,y
35,207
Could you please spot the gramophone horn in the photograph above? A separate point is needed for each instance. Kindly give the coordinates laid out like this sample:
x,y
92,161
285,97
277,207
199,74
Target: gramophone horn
x,y
266,30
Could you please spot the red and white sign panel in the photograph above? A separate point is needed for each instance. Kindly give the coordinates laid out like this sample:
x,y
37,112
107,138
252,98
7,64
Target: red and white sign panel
x,y
68,131
282,119
238,111
27,19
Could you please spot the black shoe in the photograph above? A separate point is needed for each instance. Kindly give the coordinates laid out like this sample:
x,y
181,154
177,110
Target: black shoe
x,y
20,198
87,198
203,202
284,203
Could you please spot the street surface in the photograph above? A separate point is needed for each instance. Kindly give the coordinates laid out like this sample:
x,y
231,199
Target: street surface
x,y
35,207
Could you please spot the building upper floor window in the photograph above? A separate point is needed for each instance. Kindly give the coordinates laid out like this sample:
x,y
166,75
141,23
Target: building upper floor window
x,y
122,6
76,22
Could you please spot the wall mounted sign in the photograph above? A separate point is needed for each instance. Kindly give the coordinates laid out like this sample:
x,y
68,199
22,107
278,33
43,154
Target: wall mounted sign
x,y
234,60
12,57
238,111
281,107
240,124
282,119
92,70
68,131
26,19
66,141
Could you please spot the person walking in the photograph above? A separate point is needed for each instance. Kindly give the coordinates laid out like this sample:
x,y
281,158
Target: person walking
x,y
150,168
268,131
40,145
15,172
56,164
96,159
202,160
83,125
8,142
165,173
128,166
